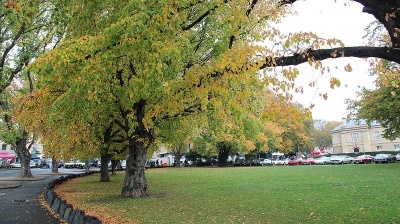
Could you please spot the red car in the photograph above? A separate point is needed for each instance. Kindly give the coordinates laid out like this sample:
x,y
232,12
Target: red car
x,y
364,159
309,161
293,162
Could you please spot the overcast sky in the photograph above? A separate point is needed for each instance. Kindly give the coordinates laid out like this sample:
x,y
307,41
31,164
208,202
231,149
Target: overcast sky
x,y
331,19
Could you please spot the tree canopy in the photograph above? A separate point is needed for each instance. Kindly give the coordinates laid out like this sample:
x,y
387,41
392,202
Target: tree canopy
x,y
137,66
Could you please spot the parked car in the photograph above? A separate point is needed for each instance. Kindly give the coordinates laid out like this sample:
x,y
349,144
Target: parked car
x,y
15,165
93,162
242,162
74,164
18,164
309,161
60,163
398,157
256,162
280,162
341,159
384,158
323,160
45,163
266,162
363,159
302,161
293,162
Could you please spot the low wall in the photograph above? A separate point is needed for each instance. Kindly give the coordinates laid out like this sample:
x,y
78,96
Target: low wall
x,y
65,211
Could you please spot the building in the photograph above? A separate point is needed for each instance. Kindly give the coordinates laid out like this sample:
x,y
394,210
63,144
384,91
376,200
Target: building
x,y
352,136
35,149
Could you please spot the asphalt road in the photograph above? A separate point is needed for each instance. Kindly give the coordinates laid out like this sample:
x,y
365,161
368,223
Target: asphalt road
x,y
21,204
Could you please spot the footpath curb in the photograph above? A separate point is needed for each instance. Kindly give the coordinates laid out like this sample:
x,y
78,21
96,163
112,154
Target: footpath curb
x,y
65,211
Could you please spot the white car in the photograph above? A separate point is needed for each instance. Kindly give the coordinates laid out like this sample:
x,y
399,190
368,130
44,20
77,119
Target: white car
x,y
322,160
280,162
398,157
74,164
341,159
18,164
266,162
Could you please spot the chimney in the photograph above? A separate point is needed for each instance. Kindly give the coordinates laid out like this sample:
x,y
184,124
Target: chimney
x,y
344,122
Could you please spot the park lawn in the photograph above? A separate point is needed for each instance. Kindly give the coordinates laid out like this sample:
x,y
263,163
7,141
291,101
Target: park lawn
x,y
365,193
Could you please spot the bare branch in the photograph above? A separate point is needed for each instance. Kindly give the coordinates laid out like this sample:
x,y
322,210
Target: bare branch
x,y
388,53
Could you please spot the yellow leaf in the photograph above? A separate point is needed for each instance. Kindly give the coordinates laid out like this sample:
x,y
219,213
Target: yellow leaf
x,y
348,68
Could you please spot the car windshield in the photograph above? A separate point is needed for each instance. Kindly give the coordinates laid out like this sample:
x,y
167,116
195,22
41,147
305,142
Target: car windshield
x,y
380,156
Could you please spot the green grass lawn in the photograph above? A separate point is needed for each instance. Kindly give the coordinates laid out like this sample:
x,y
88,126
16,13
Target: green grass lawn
x,y
365,193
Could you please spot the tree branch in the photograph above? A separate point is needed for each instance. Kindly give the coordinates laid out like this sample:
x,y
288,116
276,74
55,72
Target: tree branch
x,y
387,53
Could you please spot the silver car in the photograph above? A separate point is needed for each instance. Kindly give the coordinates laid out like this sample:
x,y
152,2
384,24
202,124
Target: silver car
x,y
280,162
266,162
341,159
384,158
322,160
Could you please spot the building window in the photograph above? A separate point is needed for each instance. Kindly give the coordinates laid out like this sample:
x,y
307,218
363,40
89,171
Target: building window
x,y
378,148
397,147
12,148
354,137
377,135
3,147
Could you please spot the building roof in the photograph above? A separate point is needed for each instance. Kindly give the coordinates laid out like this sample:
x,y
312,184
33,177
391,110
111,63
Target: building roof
x,y
354,123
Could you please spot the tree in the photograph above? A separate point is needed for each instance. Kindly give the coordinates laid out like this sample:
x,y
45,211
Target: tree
x,y
26,30
387,15
380,104
183,54
141,64
286,121
322,133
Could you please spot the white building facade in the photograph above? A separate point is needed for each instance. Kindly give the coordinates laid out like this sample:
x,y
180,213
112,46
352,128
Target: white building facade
x,y
351,136
35,149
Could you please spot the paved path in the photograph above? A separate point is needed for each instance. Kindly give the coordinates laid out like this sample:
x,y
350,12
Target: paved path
x,y
21,205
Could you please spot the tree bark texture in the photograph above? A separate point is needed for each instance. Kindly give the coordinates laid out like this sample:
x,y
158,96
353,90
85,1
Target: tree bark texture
x,y
104,174
223,155
24,156
114,164
54,165
135,183
87,166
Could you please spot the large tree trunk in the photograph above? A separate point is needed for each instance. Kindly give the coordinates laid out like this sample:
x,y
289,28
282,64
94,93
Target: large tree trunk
x,y
87,166
54,165
24,156
223,155
114,167
135,183
104,175
178,155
